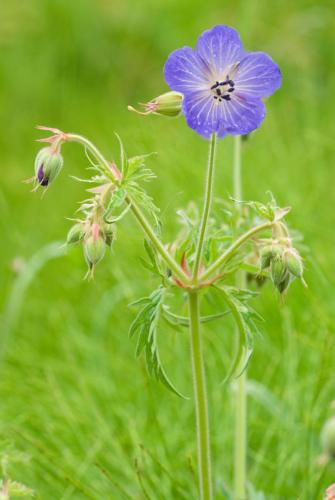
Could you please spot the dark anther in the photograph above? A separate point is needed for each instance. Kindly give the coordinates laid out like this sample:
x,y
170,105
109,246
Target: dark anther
x,y
224,83
215,96
231,83
226,97
218,91
216,84
231,89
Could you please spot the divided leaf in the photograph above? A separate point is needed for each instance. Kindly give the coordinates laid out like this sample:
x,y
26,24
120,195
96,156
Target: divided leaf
x,y
145,327
153,265
269,210
137,169
116,201
245,317
141,197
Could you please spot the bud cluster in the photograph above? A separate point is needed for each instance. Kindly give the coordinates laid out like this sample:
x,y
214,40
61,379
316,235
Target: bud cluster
x,y
95,238
283,261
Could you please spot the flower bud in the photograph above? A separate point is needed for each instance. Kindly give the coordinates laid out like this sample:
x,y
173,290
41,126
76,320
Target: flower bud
x,y
284,284
294,262
266,257
75,234
168,104
328,437
277,251
48,164
278,270
269,253
94,250
109,233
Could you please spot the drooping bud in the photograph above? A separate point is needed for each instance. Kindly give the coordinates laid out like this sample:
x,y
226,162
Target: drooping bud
x,y
94,250
109,233
266,257
168,104
294,262
278,270
75,234
48,164
284,284
269,253
277,251
328,438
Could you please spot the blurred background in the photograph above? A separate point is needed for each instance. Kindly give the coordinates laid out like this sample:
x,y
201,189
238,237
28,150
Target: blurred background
x,y
79,417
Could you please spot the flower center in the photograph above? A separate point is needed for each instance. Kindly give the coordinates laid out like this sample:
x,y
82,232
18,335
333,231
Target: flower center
x,y
222,90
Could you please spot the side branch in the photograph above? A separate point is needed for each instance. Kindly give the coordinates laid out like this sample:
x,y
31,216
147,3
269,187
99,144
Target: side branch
x,y
136,210
229,253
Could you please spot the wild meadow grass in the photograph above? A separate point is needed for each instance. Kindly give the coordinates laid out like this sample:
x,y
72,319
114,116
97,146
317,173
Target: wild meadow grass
x,y
89,421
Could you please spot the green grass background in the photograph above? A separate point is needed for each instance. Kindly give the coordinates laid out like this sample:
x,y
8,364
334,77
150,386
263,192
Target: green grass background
x,y
73,398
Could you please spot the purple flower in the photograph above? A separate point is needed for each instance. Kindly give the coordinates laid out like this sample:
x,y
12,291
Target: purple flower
x,y
222,84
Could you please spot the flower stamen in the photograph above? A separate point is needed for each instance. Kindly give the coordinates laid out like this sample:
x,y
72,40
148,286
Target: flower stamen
x,y
222,93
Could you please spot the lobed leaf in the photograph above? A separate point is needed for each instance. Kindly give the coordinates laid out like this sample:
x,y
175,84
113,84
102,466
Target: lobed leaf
x,y
145,326
245,316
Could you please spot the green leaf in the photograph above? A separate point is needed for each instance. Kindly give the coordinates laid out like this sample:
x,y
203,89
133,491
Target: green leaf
x,y
145,326
154,265
141,197
151,253
136,168
134,172
242,294
148,266
245,335
123,156
116,200
175,319
143,300
269,210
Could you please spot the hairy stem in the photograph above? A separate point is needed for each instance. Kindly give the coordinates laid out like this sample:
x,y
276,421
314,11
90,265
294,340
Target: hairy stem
x,y
237,169
240,448
136,210
200,397
207,206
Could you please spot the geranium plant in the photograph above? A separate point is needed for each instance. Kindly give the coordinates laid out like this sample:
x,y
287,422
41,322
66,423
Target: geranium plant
x,y
219,89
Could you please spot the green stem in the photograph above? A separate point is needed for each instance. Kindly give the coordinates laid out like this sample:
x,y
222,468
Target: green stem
x,y
136,210
233,247
157,243
200,396
240,450
237,169
207,206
